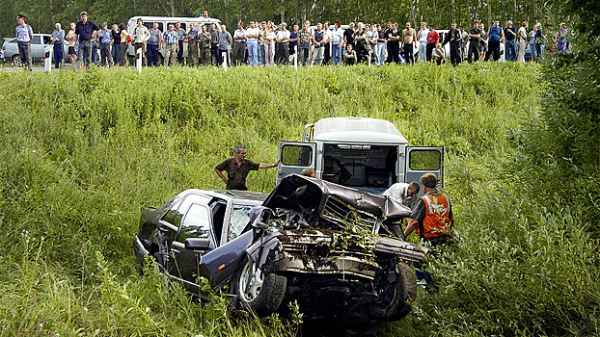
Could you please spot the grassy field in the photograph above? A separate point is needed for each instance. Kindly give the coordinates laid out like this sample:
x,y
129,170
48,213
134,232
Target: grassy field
x,y
82,152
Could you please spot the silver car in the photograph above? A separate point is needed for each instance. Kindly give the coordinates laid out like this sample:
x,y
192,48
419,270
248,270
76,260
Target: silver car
x,y
11,50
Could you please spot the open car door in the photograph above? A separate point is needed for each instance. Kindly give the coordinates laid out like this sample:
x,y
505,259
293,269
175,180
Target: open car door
x,y
424,159
295,157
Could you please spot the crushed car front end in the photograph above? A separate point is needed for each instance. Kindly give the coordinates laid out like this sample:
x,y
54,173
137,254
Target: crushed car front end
x,y
330,250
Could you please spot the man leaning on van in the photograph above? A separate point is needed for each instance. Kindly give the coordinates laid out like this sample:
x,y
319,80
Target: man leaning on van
x,y
141,34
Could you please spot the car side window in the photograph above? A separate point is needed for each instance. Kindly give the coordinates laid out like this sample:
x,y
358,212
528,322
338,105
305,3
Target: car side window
x,y
36,39
175,213
46,39
196,223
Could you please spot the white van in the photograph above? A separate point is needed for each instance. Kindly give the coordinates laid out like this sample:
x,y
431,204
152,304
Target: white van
x,y
364,153
444,32
163,25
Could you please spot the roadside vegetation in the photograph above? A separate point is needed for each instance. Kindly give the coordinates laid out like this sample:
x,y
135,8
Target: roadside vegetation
x,y
81,153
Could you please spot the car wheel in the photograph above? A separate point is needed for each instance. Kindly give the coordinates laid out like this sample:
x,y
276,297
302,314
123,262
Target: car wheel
x,y
16,60
397,296
259,291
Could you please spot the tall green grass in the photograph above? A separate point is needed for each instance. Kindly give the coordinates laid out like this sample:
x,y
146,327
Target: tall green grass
x,y
82,152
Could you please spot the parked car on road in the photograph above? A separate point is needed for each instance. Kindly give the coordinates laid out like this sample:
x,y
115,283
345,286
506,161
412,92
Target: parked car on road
x,y
321,244
39,42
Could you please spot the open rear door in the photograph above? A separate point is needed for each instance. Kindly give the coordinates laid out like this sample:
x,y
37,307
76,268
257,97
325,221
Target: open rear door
x,y
424,159
295,157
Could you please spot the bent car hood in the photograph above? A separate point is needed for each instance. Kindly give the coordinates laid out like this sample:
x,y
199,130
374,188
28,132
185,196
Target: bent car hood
x,y
301,193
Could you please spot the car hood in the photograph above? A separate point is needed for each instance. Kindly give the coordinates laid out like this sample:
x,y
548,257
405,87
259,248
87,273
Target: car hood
x,y
305,195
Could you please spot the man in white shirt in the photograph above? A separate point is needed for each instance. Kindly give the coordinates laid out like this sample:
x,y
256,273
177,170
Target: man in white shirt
x,y
404,193
422,36
239,44
282,51
252,43
337,36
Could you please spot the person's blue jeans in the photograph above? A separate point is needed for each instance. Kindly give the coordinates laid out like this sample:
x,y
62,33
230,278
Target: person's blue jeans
x,y
422,51
337,54
539,51
152,55
511,50
116,53
58,55
380,53
261,55
95,54
534,55
84,53
252,46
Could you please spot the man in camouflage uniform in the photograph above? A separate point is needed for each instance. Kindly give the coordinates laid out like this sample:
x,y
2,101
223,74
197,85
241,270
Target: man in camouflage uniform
x,y
192,58
204,46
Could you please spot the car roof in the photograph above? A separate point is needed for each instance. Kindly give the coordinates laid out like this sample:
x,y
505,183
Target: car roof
x,y
249,197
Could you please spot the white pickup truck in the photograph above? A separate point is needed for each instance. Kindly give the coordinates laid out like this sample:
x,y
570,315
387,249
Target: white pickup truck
x,y
364,153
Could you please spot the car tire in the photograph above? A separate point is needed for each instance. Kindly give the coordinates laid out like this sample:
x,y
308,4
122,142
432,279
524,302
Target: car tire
x,y
398,295
16,60
257,291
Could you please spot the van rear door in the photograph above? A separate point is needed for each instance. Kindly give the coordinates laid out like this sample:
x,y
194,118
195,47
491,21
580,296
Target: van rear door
x,y
424,159
295,157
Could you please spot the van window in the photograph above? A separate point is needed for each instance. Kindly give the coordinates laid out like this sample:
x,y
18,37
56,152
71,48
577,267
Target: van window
x,y
425,160
296,155
183,25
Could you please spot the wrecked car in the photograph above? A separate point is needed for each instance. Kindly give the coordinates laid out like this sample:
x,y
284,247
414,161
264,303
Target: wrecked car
x,y
323,245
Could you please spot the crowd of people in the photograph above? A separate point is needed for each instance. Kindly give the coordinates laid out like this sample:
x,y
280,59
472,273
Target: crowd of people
x,y
267,44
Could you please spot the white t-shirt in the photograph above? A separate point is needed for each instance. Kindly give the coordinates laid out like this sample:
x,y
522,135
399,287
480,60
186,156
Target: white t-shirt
x,y
283,35
251,34
423,35
336,36
238,35
398,192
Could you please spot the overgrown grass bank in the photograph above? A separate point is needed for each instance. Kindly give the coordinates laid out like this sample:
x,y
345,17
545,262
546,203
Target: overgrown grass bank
x,y
82,152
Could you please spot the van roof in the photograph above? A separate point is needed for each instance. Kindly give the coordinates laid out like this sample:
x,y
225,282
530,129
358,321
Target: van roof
x,y
357,130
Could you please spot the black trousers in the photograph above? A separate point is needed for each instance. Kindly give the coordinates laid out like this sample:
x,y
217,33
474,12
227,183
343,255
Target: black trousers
x,y
326,54
429,51
455,54
282,53
239,49
409,56
214,52
473,51
393,50
493,48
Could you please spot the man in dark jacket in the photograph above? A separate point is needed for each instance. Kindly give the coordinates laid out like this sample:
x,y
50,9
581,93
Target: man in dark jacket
x,y
454,37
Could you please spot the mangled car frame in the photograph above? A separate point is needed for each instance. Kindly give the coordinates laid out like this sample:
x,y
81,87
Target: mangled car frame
x,y
316,242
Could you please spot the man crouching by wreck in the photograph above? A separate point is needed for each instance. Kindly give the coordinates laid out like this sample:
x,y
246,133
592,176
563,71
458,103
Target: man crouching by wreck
x,y
432,217
237,169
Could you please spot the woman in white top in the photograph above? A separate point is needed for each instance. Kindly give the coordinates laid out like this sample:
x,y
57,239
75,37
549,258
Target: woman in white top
x,y
269,45
522,38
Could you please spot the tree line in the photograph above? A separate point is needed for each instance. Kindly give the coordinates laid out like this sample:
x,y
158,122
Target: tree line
x,y
43,14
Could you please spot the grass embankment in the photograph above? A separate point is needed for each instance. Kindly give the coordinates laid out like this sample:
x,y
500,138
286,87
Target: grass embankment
x,y
82,152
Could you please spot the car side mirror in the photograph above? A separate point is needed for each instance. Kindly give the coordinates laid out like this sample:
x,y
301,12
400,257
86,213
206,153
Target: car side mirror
x,y
197,244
